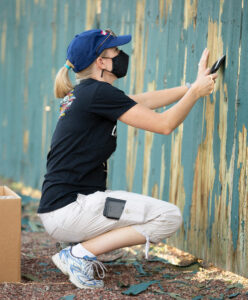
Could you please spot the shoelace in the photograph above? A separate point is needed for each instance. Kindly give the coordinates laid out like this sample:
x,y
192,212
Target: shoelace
x,y
91,264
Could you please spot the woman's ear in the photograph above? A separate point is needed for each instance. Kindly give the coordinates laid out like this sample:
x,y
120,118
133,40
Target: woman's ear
x,y
100,62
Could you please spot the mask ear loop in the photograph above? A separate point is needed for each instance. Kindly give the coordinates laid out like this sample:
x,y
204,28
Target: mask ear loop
x,y
104,69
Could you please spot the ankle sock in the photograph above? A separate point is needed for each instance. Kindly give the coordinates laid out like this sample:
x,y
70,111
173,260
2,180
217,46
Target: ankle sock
x,y
80,251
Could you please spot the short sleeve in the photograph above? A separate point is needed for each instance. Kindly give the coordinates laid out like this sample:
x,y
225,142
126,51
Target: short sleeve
x,y
110,102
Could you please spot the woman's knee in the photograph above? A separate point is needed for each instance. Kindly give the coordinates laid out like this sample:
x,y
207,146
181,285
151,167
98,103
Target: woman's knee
x,y
166,225
177,218
172,216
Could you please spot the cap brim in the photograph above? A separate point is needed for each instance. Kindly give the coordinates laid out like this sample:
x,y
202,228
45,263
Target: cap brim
x,y
119,40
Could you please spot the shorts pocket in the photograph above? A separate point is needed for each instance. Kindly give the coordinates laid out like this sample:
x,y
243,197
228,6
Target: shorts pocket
x,y
135,212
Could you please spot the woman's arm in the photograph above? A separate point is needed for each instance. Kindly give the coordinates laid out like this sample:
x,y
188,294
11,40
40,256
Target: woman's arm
x,y
160,98
157,99
142,117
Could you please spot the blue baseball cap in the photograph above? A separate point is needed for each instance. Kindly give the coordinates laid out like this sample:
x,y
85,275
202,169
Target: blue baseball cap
x,y
88,45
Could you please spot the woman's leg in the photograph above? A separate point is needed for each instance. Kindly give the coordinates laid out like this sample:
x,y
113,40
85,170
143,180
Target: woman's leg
x,y
143,219
114,239
156,220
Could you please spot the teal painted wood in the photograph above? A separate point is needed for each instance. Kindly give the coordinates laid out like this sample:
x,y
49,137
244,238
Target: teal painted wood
x,y
201,167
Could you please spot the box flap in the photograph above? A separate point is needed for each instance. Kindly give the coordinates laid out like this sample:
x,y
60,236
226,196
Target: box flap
x,y
7,193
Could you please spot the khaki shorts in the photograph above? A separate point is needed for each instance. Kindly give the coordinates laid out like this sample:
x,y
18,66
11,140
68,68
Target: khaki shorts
x,y
83,219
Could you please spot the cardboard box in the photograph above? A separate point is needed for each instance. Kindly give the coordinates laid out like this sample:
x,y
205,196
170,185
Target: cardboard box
x,y
10,235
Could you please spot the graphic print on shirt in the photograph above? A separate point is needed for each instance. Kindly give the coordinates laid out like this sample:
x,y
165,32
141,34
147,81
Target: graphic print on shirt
x,y
114,132
105,166
66,103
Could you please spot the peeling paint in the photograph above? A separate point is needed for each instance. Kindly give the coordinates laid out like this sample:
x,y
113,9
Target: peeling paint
x,y
177,193
132,147
214,42
29,62
204,176
3,42
168,9
139,56
137,81
161,9
220,227
18,11
92,8
162,173
183,81
155,191
146,163
147,150
99,6
66,8
30,47
44,127
54,27
242,165
190,13
25,141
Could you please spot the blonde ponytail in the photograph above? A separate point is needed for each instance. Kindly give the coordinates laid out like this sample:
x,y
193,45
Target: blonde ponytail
x,y
62,84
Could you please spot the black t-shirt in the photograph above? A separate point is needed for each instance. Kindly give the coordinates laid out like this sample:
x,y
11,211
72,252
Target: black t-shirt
x,y
83,140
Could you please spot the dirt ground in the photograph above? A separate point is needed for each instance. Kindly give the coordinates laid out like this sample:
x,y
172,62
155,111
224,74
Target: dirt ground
x,y
168,274
42,280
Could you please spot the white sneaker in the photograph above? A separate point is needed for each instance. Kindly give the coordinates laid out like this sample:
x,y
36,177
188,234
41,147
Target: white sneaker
x,y
80,270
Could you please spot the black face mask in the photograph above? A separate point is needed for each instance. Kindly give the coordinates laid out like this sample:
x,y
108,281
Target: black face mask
x,y
120,64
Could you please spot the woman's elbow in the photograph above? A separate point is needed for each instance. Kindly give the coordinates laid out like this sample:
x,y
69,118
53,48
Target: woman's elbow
x,y
167,131
167,128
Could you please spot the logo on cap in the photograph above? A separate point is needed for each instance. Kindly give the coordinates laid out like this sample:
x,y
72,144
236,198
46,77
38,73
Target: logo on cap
x,y
103,32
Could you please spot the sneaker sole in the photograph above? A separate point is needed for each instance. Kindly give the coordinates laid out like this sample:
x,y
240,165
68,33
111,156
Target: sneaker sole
x,y
81,286
62,267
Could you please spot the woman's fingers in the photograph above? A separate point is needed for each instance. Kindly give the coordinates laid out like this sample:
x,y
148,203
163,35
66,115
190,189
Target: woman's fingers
x,y
204,59
212,78
202,56
211,84
206,81
214,75
202,66
207,71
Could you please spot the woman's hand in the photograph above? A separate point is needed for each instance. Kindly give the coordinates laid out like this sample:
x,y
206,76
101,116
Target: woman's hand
x,y
204,84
